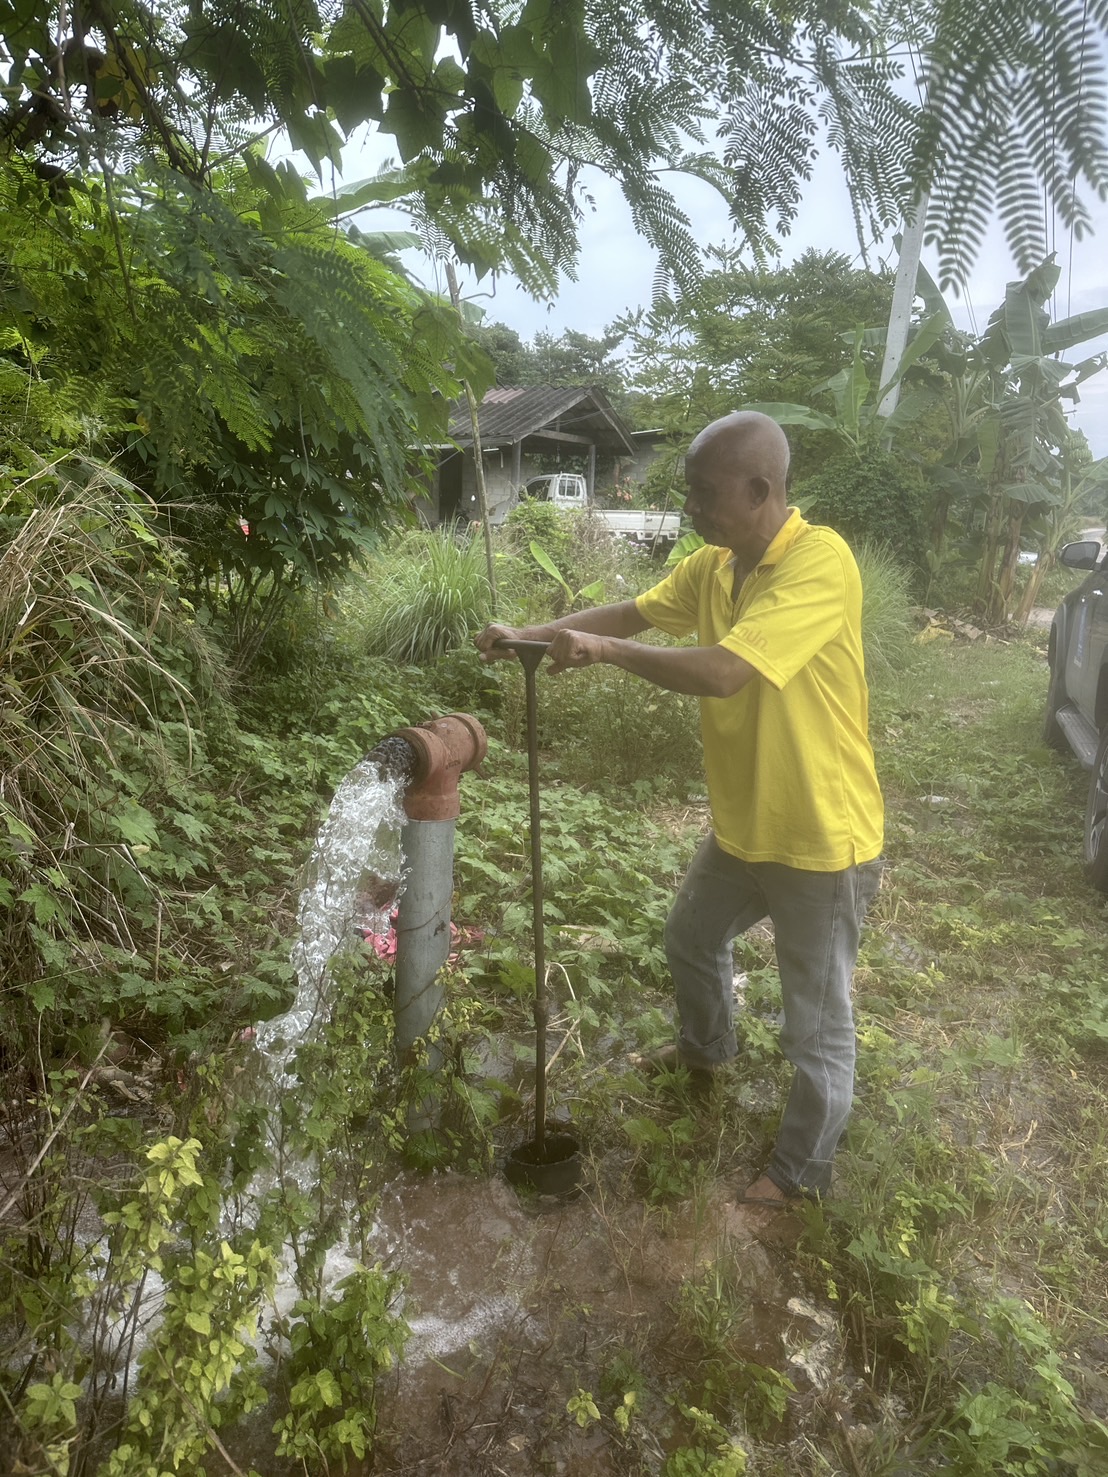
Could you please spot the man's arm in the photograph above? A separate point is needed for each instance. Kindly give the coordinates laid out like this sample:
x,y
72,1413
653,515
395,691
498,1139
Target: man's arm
x,y
699,671
603,635
620,620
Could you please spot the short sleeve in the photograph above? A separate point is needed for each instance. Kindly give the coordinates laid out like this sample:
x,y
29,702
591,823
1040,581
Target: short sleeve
x,y
673,605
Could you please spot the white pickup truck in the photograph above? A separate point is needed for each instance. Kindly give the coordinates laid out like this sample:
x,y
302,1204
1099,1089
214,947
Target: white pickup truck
x,y
569,490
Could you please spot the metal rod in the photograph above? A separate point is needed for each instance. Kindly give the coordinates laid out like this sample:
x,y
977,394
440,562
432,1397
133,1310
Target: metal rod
x,y
537,925
530,654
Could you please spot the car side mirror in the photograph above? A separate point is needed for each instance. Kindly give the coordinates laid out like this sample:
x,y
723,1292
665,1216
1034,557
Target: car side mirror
x,y
1081,555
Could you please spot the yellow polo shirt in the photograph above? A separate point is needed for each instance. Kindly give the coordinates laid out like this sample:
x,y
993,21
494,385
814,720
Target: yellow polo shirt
x,y
790,769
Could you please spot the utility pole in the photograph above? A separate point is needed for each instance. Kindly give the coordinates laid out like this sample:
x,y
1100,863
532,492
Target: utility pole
x,y
478,460
904,291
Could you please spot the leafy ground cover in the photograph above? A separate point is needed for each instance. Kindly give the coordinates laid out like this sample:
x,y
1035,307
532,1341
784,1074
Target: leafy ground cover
x,y
947,1311
962,1259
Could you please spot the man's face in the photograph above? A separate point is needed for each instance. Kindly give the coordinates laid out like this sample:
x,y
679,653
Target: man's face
x,y
720,504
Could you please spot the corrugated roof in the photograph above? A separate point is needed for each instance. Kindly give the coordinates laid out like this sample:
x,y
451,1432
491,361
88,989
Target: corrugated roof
x,y
509,414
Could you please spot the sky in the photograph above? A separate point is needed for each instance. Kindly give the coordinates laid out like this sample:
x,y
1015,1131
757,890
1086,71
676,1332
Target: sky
x,y
616,269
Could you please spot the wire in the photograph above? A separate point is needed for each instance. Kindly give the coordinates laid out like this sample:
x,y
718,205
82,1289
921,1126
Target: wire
x,y
1073,181
1050,219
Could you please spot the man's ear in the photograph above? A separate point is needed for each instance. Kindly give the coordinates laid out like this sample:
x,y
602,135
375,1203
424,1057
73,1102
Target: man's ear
x,y
759,490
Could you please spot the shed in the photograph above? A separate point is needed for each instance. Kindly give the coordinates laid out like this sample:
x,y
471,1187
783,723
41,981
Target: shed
x,y
523,431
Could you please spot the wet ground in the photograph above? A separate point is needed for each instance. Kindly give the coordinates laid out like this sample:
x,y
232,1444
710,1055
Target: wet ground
x,y
516,1305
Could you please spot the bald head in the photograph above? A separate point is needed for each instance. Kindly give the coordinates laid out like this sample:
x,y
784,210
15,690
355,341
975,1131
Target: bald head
x,y
745,443
735,471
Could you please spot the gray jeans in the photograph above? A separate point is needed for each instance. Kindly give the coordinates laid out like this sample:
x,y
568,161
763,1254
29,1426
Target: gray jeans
x,y
817,920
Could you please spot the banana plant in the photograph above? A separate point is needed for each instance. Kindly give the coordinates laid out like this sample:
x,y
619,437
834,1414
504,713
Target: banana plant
x,y
590,593
1003,395
1080,479
855,423
1009,449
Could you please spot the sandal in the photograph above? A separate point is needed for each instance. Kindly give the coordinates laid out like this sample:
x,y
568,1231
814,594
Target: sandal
x,y
768,1202
783,1202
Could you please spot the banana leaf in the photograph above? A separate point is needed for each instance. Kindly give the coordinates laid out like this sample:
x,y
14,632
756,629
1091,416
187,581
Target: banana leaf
x,y
1075,330
1028,492
928,333
850,387
933,300
380,189
795,415
1024,321
910,407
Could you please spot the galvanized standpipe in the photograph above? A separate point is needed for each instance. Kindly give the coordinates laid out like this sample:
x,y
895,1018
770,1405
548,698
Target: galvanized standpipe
x,y
444,748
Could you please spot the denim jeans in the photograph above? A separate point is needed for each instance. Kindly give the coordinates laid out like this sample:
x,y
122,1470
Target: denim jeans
x,y
817,920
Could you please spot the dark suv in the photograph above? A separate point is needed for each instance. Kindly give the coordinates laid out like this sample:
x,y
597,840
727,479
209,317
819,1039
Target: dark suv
x,y
1077,700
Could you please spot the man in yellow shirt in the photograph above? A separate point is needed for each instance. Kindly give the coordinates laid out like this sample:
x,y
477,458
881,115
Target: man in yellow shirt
x,y
796,809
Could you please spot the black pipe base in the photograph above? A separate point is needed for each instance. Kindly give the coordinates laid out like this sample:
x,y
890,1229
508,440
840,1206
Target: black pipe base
x,y
558,1170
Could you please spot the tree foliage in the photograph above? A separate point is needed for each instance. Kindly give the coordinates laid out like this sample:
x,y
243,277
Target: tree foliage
x,y
569,358
750,335
1006,459
1015,122
262,378
496,128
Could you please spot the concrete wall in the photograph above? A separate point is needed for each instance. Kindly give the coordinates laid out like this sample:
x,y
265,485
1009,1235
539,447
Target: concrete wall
x,y
500,492
636,467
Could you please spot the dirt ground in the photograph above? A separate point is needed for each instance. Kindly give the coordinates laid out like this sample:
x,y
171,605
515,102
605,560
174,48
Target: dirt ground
x,y
513,1301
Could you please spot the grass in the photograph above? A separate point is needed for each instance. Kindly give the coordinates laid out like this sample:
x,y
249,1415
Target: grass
x,y
424,596
972,1227
886,622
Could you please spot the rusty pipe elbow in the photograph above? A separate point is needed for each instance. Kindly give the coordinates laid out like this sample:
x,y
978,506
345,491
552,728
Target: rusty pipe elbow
x,y
444,749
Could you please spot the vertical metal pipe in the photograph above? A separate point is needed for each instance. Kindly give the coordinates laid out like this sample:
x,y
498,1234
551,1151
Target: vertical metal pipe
x,y
443,748
423,931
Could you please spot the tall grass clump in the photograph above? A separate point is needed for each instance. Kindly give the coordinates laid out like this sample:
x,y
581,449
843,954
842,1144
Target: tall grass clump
x,y
87,625
423,596
887,627
115,819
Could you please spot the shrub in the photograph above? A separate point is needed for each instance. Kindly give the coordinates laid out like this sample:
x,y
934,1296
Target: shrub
x,y
541,522
877,498
324,699
602,726
97,729
584,552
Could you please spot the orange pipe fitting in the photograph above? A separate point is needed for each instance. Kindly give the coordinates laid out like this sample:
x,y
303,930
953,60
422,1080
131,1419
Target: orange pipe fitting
x,y
444,748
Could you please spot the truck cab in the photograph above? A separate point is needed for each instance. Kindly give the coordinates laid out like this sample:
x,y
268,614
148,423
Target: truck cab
x,y
562,489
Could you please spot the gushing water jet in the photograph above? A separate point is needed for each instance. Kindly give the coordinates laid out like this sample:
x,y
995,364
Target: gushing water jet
x,y
407,788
